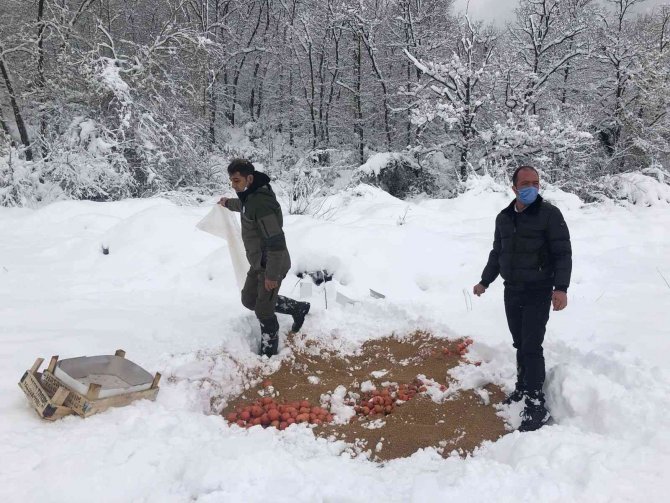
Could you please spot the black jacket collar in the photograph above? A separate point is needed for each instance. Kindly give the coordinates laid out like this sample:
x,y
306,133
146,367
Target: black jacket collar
x,y
532,209
260,180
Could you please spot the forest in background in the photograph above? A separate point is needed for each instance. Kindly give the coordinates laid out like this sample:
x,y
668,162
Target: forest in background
x,y
107,99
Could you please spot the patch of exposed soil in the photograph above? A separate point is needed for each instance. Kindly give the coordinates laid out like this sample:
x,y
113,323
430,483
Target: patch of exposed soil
x,y
433,411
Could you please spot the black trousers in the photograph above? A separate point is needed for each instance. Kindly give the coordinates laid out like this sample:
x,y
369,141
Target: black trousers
x,y
527,313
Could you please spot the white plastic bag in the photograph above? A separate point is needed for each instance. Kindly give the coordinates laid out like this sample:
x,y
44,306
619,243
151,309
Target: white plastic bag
x,y
222,223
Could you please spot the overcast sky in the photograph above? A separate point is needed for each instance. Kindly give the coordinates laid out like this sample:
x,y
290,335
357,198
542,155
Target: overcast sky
x,y
503,10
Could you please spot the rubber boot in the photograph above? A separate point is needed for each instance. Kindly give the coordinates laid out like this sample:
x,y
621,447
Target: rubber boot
x,y
519,390
535,414
269,336
295,308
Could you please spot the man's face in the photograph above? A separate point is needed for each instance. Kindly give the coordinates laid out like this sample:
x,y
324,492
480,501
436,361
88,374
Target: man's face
x,y
526,178
240,183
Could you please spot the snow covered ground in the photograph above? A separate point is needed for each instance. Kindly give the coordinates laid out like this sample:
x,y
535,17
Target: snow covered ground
x,y
166,294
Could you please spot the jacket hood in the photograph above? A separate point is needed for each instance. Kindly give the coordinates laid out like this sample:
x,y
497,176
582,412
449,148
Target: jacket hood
x,y
260,180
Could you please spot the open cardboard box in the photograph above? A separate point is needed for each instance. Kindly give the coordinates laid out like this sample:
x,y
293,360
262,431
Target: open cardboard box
x,y
86,385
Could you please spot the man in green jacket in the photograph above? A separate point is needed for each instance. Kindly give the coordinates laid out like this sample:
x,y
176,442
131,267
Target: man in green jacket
x,y
265,246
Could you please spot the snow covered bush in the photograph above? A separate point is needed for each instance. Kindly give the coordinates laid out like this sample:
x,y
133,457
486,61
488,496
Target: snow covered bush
x,y
445,171
649,187
22,183
303,189
88,163
397,174
82,175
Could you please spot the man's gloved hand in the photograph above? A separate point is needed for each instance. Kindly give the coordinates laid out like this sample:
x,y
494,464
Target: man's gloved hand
x,y
223,201
559,300
270,285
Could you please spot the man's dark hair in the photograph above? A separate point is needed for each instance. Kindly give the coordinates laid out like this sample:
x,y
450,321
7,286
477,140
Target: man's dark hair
x,y
515,176
241,166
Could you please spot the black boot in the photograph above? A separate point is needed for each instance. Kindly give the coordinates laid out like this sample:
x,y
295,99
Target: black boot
x,y
269,336
516,396
519,390
296,309
535,414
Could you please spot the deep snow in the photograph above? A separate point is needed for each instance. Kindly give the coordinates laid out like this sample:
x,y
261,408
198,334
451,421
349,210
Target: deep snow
x,y
166,294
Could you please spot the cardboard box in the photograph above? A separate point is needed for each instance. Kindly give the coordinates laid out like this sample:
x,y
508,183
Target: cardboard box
x,y
53,399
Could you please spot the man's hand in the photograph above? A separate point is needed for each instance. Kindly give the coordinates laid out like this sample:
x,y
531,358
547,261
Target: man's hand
x,y
479,289
223,201
270,285
559,300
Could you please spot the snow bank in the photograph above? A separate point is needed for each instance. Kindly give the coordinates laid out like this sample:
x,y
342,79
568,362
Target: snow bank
x,y
166,293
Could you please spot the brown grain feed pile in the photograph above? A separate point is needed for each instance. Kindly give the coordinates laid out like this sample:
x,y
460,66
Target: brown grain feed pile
x,y
461,422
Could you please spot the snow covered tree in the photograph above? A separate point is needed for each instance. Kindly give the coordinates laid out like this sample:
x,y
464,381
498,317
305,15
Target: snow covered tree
x,y
456,90
109,99
641,123
561,147
619,53
546,39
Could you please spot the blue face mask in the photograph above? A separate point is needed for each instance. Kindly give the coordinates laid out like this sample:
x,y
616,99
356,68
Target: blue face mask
x,y
528,195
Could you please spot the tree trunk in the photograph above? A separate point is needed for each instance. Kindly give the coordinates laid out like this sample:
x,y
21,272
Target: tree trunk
x,y
291,125
312,95
358,123
257,83
466,132
259,106
3,124
463,163
238,70
331,93
410,45
382,83
252,95
228,112
20,125
231,114
212,111
408,132
566,76
41,80
322,92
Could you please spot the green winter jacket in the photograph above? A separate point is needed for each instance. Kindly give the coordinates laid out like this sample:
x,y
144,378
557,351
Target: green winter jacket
x,y
262,228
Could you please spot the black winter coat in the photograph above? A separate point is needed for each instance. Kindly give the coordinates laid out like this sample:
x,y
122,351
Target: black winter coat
x,y
531,249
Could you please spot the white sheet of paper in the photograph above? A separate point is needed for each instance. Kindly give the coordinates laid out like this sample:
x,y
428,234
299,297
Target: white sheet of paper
x,y
222,223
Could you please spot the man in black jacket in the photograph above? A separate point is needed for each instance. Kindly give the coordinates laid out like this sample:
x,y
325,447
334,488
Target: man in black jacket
x,y
532,253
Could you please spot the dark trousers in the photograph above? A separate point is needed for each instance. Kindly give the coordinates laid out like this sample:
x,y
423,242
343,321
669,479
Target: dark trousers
x,y
527,313
256,298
